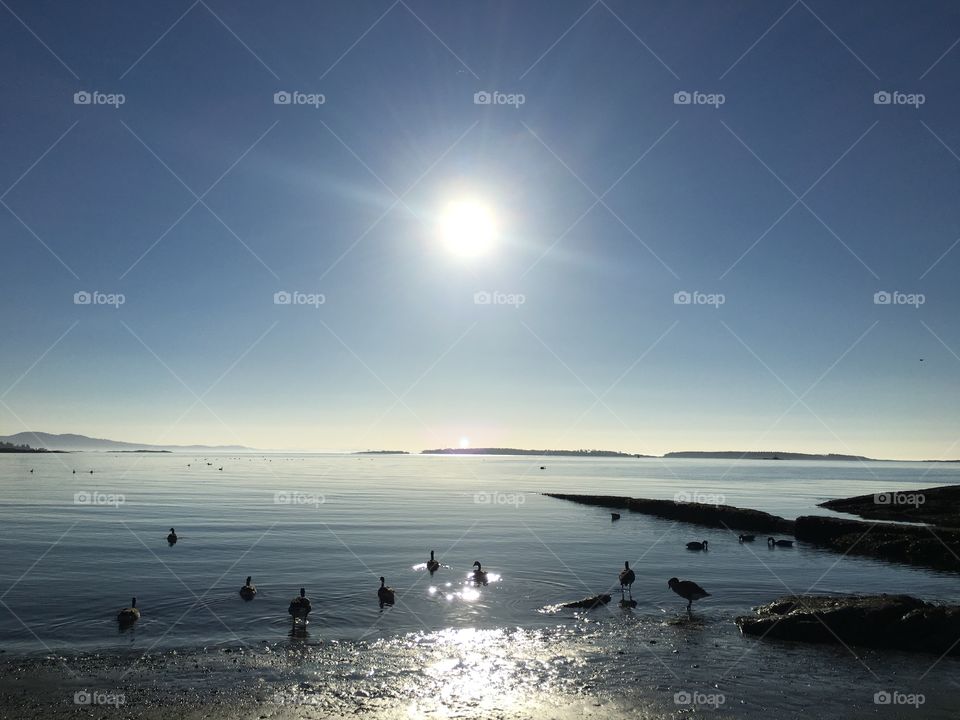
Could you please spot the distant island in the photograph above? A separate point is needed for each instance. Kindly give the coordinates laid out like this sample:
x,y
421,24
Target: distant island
x,y
518,451
138,451
759,455
81,443
382,452
7,447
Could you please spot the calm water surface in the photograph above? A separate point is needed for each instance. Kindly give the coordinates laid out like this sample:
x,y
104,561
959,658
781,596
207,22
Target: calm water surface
x,y
334,524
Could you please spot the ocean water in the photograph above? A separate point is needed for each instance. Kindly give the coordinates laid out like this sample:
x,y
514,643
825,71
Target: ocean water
x,y
77,546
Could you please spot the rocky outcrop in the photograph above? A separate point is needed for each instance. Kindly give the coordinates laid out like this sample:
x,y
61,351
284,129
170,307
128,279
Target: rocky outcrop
x,y
589,603
716,516
898,622
912,544
938,506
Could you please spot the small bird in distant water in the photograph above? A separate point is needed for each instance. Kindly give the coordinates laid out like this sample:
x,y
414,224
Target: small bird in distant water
x,y
129,615
688,590
172,537
479,575
779,543
432,565
697,545
747,538
385,594
248,591
614,517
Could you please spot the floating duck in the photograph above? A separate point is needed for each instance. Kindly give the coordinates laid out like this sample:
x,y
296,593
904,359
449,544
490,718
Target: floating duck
x,y
249,590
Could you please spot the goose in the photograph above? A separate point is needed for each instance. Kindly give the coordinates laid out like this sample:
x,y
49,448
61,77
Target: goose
x,y
385,594
31,469
747,538
172,537
627,576
779,543
248,590
300,607
614,517
687,589
479,575
697,545
129,615
432,565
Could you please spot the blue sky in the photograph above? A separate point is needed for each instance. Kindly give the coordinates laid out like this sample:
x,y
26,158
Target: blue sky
x,y
794,201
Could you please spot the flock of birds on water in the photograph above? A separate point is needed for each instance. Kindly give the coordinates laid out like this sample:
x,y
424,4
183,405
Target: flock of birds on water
x,y
300,606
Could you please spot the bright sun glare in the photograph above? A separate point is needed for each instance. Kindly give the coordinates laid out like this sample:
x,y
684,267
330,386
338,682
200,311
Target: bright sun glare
x,y
468,228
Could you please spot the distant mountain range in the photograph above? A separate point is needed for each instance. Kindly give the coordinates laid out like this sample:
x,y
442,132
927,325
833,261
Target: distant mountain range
x,y
519,451
79,443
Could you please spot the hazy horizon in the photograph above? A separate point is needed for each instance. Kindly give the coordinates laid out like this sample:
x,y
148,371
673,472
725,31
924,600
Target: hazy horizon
x,y
406,225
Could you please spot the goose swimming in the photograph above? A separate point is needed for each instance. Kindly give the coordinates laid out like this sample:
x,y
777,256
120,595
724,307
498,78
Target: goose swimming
x,y
300,607
432,565
479,575
747,538
779,543
248,590
172,537
697,545
385,594
129,615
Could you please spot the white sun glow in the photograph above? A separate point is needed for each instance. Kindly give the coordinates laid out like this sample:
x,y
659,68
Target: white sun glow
x,y
468,228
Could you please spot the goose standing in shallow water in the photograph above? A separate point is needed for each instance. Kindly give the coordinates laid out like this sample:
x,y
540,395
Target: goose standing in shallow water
x,y
747,538
432,565
479,575
779,543
248,590
385,594
172,537
627,576
697,545
129,615
688,590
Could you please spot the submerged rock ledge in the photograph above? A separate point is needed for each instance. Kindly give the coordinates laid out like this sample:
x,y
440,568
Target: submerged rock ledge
x,y
889,622
936,548
716,516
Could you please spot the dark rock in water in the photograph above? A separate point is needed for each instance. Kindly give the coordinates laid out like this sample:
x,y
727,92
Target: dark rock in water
x,y
717,516
892,622
937,505
589,603
913,544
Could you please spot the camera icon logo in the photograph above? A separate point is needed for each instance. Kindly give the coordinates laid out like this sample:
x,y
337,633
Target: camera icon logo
x,y
482,297
682,297
82,98
682,98
482,98
282,297
82,298
82,697
682,698
882,698
282,97
882,98
882,297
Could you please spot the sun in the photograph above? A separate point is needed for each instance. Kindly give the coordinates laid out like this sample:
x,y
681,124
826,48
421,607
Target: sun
x,y
468,227
464,443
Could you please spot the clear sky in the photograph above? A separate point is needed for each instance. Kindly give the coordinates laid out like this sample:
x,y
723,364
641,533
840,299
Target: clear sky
x,y
783,189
